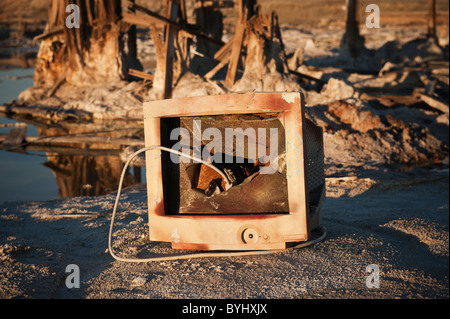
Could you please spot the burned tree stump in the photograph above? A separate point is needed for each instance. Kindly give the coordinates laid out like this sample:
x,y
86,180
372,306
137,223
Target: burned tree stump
x,y
100,50
265,66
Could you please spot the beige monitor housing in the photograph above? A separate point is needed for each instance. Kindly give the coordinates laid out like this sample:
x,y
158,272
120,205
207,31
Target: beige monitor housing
x,y
235,224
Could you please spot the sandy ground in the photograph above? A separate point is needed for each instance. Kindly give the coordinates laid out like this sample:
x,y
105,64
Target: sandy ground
x,y
395,220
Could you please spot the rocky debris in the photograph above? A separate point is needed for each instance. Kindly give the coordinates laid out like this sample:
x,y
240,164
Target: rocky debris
x,y
138,281
348,186
395,114
336,89
360,133
354,116
190,85
122,100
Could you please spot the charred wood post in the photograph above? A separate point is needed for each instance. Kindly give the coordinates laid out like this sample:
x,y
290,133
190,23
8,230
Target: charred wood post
x,y
236,51
431,34
131,45
171,34
246,8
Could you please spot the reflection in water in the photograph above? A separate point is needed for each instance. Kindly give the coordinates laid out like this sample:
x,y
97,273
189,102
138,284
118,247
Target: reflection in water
x,y
81,175
78,171
87,175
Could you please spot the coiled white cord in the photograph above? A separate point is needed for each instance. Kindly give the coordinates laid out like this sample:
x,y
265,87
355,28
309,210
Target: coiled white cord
x,y
194,255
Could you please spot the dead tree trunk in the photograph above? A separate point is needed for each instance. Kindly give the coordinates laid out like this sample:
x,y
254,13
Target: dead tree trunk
x,y
431,34
352,43
97,52
265,65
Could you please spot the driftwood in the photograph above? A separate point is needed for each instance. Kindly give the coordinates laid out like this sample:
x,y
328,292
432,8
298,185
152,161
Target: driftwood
x,y
434,103
390,100
61,150
77,139
49,33
223,55
183,26
224,50
266,26
151,17
431,25
236,52
140,74
159,44
307,77
45,113
219,66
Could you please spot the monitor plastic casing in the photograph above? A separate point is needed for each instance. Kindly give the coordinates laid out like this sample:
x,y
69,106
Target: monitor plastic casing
x,y
232,231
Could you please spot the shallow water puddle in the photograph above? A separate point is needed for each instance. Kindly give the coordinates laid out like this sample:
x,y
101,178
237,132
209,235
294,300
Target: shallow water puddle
x,y
40,174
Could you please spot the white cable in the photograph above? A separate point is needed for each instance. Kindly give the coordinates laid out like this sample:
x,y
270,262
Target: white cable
x,y
195,255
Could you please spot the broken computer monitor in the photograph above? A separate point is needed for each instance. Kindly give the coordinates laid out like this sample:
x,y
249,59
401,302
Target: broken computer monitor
x,y
272,185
